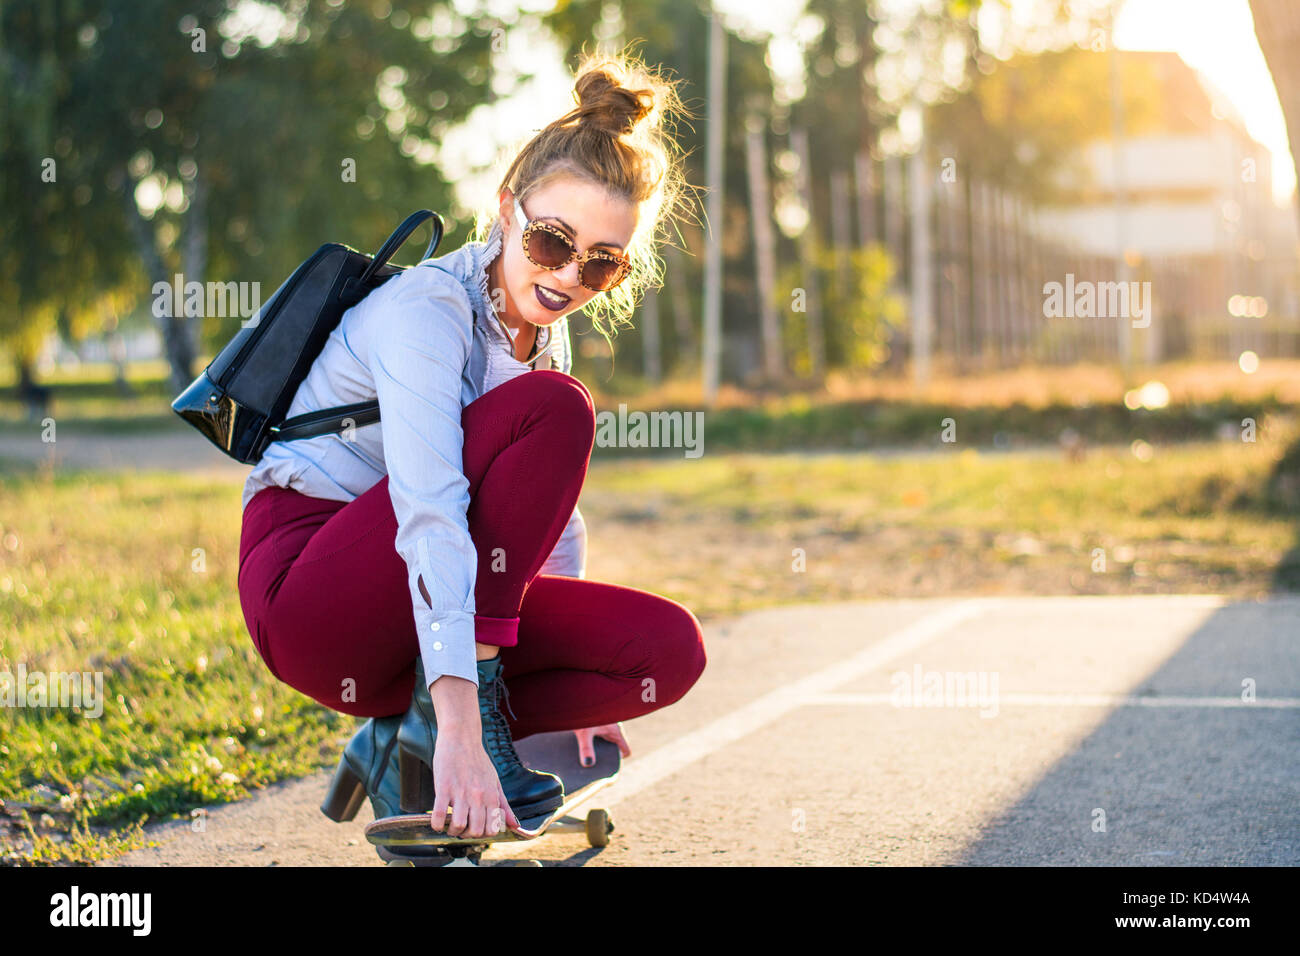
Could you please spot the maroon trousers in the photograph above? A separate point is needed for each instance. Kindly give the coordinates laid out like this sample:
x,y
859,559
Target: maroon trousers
x,y
325,596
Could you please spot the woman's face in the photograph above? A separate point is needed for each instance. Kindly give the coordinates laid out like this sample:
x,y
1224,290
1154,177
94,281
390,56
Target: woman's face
x,y
590,219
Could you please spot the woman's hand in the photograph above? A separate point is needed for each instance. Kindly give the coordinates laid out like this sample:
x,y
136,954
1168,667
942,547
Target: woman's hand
x,y
465,779
587,736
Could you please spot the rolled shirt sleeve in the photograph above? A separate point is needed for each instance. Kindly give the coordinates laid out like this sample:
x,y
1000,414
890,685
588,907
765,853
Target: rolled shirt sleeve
x,y
569,556
416,360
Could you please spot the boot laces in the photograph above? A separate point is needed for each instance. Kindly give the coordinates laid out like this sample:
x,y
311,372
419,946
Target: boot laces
x,y
497,730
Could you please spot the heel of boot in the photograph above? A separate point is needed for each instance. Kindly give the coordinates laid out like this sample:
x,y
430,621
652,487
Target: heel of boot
x,y
417,783
345,794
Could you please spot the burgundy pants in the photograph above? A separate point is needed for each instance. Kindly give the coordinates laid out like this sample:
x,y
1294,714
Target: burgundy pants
x,y
325,595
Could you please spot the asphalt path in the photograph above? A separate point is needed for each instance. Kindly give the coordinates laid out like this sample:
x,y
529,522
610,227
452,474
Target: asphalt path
x,y
184,451
1004,731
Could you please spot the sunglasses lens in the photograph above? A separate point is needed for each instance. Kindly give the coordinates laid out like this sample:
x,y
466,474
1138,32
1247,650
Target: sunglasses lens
x,y
553,250
550,250
600,274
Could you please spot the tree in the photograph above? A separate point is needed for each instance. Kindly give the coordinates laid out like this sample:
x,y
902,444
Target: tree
x,y
1278,30
64,257
673,35
1019,125
213,137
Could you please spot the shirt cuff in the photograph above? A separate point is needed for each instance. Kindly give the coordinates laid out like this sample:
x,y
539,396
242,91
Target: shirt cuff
x,y
446,644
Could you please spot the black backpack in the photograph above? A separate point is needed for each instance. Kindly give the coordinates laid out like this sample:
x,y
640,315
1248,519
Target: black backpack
x,y
240,400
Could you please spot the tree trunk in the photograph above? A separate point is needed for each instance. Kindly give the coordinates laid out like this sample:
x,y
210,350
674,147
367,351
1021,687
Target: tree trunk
x,y
680,299
1277,27
652,350
24,367
175,335
764,251
864,184
921,303
35,398
196,256
808,254
117,352
715,144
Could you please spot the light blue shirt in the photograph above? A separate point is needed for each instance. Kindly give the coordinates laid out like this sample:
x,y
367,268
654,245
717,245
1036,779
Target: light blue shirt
x,y
420,343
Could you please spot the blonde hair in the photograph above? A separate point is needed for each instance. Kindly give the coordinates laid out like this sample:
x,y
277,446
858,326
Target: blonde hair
x,y
620,138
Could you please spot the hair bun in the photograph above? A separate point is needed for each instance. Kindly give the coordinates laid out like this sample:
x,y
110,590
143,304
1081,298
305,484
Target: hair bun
x,y
605,104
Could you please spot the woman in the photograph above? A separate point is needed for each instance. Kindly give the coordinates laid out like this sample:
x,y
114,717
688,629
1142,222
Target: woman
x,y
415,569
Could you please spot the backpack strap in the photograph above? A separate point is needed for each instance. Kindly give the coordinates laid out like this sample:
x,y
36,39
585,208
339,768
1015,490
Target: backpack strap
x,y
356,288
325,420
331,420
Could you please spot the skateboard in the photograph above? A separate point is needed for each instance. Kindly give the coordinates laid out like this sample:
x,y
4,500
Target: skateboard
x,y
408,840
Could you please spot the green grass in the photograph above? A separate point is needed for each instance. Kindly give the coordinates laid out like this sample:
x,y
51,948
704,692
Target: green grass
x,y
983,414
719,533
97,573
967,488
868,424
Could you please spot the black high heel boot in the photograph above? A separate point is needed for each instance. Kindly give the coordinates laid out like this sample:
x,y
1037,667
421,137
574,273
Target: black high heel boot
x,y
368,767
530,793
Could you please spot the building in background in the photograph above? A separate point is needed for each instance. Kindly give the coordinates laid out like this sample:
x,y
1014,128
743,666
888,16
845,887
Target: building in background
x,y
1188,205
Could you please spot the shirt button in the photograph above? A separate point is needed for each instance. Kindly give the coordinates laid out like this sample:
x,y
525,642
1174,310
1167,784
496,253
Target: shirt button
x,y
437,645
435,625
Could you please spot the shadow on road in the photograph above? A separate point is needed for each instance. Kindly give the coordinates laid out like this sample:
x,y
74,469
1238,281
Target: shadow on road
x,y
1190,782
1283,493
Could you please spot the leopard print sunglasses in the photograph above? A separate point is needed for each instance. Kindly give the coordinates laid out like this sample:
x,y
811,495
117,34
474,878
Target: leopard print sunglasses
x,y
548,247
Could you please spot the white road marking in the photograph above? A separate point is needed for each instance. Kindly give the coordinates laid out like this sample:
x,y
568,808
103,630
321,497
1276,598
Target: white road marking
x,y
1073,700
643,772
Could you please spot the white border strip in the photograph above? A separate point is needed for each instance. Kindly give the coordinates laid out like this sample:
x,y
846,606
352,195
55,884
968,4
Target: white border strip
x,y
1072,700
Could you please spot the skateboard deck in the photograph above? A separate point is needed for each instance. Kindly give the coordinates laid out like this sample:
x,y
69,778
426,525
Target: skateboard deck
x,y
555,753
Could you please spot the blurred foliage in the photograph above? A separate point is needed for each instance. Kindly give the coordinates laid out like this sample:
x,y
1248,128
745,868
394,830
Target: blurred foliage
x,y
800,424
673,35
1021,125
65,259
1283,488
859,307
242,129
238,119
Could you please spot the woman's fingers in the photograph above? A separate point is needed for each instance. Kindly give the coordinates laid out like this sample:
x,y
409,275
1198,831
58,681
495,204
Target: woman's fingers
x,y
438,816
586,741
478,817
586,747
470,791
456,819
471,817
509,815
614,734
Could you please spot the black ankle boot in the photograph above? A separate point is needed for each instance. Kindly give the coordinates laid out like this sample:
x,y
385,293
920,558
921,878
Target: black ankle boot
x,y
368,767
415,742
530,793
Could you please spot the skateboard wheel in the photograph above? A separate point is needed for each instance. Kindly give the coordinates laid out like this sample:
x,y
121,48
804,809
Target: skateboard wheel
x,y
598,828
